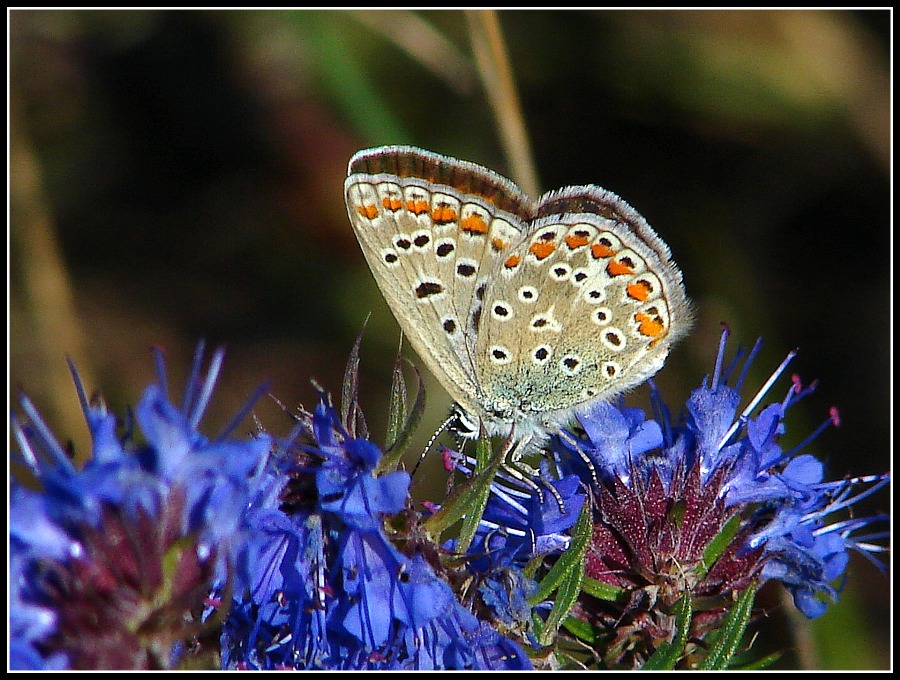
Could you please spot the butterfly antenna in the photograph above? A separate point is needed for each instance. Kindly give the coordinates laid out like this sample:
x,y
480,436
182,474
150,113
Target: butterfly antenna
x,y
431,441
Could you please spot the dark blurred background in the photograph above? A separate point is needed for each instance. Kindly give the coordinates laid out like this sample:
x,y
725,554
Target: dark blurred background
x,y
177,175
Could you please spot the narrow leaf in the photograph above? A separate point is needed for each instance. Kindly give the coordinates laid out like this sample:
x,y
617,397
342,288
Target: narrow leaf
x,y
571,562
600,590
759,664
565,578
582,630
484,454
397,402
719,543
343,73
566,596
350,412
485,468
398,442
667,654
727,640
466,501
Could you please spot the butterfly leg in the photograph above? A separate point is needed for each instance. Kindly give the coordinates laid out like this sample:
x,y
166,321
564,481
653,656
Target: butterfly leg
x,y
518,469
572,441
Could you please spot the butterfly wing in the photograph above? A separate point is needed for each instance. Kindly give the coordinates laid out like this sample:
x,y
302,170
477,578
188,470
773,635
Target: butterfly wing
x,y
586,306
431,230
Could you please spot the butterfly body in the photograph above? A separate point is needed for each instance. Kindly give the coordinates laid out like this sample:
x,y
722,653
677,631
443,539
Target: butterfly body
x,y
527,311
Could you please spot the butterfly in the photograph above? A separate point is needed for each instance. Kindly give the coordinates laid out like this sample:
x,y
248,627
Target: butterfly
x,y
526,311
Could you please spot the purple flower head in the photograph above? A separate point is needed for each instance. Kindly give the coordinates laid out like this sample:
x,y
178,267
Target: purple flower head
x,y
132,541
667,494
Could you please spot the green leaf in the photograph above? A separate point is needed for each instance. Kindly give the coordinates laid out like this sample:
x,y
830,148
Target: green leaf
x,y
566,597
484,455
759,664
718,544
483,468
727,640
468,499
668,653
402,425
397,402
571,561
351,414
565,578
345,75
600,590
582,630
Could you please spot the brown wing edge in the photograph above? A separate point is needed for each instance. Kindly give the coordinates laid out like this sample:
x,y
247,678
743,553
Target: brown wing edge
x,y
594,200
464,176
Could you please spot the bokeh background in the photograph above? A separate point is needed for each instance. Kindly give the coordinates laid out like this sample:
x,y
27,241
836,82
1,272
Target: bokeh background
x,y
177,175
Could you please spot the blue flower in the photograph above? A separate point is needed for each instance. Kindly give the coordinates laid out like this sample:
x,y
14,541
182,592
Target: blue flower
x,y
32,535
111,560
302,553
345,481
523,518
618,438
329,589
664,491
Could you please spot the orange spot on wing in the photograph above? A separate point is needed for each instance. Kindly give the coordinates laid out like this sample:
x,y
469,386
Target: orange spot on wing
x,y
542,249
417,207
599,250
512,261
574,241
498,244
649,326
474,225
368,211
639,290
615,268
443,214
392,204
